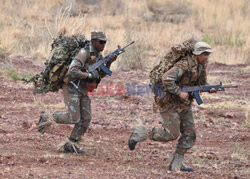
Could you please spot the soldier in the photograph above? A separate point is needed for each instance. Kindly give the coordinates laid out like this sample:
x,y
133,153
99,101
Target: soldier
x,y
76,100
176,114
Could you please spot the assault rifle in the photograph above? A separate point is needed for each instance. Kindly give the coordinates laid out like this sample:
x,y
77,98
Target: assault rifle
x,y
194,91
100,63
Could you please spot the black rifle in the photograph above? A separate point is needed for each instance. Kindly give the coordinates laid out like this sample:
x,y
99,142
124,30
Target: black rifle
x,y
195,91
100,63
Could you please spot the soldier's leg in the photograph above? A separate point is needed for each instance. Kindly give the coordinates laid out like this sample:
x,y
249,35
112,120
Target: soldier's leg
x,y
185,142
72,103
170,128
80,127
187,129
85,117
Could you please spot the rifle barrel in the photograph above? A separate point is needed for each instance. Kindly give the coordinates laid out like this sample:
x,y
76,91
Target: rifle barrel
x,y
230,86
129,44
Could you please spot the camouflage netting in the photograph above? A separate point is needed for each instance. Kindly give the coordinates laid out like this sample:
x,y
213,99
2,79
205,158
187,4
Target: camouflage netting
x,y
63,50
173,56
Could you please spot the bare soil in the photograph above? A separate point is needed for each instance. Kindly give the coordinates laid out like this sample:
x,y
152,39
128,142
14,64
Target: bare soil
x,y
222,122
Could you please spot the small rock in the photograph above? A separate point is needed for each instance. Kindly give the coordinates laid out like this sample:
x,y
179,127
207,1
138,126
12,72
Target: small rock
x,y
42,160
3,131
26,125
230,115
11,163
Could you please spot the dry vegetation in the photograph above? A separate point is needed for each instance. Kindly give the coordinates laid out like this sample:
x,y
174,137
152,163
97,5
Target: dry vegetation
x,y
222,121
27,26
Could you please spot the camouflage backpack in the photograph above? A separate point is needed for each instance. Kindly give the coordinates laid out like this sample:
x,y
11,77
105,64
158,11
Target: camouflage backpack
x,y
175,54
63,50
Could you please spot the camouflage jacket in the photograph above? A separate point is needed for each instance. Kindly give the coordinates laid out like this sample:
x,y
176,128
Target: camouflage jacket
x,y
186,72
77,69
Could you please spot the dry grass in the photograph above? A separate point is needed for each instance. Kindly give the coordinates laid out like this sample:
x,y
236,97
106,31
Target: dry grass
x,y
27,27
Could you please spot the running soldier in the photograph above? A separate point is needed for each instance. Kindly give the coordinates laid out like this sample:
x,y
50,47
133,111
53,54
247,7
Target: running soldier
x,y
175,107
77,101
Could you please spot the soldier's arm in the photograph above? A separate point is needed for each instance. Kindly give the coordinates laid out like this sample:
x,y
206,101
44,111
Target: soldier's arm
x,y
173,75
76,66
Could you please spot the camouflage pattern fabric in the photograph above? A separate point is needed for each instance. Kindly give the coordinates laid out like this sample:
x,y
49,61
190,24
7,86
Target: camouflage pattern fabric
x,y
173,123
176,114
77,101
173,56
63,50
79,112
186,72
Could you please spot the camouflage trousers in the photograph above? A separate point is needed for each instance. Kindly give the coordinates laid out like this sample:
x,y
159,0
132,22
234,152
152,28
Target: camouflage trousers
x,y
79,112
175,123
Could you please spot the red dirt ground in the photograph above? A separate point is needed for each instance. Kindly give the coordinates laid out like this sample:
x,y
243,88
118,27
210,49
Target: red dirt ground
x,y
222,122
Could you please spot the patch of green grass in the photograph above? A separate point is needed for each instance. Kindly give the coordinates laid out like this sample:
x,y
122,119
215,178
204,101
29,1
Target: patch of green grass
x,y
207,38
236,149
224,39
240,70
13,74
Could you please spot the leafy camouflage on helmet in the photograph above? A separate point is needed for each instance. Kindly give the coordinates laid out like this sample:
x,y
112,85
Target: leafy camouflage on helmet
x,y
176,53
63,50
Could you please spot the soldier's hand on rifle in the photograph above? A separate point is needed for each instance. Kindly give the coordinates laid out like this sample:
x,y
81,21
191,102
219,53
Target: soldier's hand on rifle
x,y
184,96
212,90
112,58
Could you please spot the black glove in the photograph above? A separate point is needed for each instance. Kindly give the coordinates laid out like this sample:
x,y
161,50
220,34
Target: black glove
x,y
94,75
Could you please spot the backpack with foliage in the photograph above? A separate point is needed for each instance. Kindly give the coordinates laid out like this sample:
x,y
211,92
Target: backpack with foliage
x,y
63,50
175,54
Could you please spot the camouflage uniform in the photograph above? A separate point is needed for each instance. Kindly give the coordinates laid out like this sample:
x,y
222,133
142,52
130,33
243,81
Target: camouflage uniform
x,y
77,101
176,114
77,82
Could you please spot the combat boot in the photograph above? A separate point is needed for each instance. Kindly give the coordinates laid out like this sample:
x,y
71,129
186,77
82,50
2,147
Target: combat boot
x,y
131,142
43,118
177,164
139,134
45,121
71,147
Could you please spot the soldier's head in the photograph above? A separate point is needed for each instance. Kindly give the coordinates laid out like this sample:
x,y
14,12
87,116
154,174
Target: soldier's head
x,y
98,39
202,51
